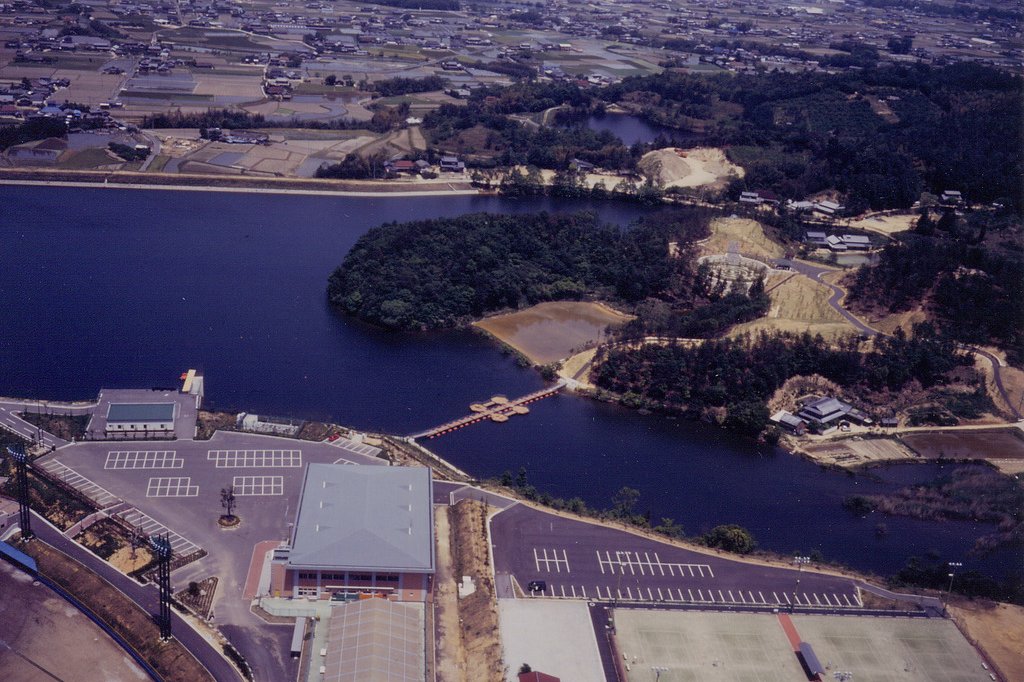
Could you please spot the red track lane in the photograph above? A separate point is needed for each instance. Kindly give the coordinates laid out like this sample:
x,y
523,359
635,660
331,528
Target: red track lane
x,y
790,630
259,555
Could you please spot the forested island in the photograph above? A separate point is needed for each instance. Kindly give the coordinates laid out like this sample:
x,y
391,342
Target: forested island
x,y
447,272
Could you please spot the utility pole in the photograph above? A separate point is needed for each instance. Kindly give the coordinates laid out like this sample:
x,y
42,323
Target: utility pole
x,y
658,670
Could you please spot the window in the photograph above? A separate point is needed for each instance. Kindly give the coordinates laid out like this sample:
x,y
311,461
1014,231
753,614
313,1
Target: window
x,y
360,576
387,578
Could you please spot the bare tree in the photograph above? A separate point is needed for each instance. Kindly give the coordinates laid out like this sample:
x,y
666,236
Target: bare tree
x,y
227,500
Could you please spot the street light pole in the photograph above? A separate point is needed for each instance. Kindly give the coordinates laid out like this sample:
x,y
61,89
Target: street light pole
x,y
658,670
953,565
799,561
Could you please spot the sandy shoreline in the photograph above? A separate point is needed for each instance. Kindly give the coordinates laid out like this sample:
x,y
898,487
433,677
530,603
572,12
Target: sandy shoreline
x,y
243,190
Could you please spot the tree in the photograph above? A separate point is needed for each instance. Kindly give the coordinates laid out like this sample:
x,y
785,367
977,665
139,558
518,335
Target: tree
x,y
669,527
731,538
525,668
331,80
900,44
227,500
625,500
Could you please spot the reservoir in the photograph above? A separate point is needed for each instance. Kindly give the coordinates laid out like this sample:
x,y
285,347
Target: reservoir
x,y
632,129
116,288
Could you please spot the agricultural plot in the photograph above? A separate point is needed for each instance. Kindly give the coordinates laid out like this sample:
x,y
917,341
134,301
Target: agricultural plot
x,y
982,444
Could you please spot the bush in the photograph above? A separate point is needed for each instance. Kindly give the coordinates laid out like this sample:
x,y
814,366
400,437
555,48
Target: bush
x,y
731,538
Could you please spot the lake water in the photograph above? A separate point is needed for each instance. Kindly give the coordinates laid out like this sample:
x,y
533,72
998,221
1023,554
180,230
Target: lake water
x,y
632,129
129,288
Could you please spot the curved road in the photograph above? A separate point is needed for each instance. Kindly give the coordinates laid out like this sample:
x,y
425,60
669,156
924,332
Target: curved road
x,y
838,295
145,596
10,420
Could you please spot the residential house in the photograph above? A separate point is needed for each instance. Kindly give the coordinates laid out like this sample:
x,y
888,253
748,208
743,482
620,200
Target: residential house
x,y
451,164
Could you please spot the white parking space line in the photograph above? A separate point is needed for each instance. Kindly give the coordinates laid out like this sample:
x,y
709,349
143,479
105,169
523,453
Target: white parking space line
x,y
143,459
181,546
553,563
243,459
647,566
171,486
354,447
98,494
254,486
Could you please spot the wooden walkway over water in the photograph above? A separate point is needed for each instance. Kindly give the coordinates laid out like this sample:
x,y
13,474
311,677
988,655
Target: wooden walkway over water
x,y
497,409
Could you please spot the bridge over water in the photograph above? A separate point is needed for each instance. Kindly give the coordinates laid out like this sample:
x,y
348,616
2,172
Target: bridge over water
x,y
497,409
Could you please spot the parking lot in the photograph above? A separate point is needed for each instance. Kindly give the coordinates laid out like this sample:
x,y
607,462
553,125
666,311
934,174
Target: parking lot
x,y
579,560
174,488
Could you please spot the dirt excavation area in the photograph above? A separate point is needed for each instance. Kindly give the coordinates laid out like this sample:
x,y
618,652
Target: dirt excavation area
x,y
704,166
798,304
469,643
740,234
551,331
43,638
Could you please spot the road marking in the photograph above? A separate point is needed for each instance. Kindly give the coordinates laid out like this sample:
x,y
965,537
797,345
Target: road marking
x,y
558,562
646,565
171,486
240,459
98,494
256,486
143,459
691,594
138,519
787,598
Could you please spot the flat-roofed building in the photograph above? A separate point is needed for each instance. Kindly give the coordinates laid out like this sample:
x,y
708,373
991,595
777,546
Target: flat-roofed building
x,y
140,417
360,530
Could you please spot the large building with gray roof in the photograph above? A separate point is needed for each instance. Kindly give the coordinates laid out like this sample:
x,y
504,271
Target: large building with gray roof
x,y
360,530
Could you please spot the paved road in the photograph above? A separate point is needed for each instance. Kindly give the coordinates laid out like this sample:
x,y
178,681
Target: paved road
x,y
15,424
145,596
997,377
447,492
836,301
582,560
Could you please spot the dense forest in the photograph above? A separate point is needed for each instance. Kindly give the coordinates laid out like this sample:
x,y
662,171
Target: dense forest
x,y
439,273
880,135
974,292
31,130
741,374
490,138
